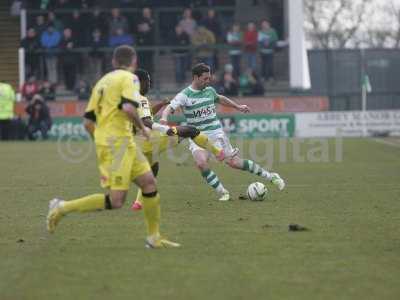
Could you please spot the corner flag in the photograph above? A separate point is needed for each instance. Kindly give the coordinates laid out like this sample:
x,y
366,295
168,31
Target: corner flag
x,y
366,84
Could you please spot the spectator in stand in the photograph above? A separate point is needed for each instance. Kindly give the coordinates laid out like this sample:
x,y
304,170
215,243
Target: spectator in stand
x,y
127,3
50,40
69,59
267,39
229,85
47,91
79,27
40,25
33,4
188,23
7,101
62,4
119,37
145,37
96,57
83,90
250,84
39,118
58,24
202,39
32,59
15,9
235,41
98,21
29,88
212,23
87,3
41,4
250,45
181,56
117,21
145,28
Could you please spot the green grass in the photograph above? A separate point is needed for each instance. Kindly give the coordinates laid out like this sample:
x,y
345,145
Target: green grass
x,y
234,250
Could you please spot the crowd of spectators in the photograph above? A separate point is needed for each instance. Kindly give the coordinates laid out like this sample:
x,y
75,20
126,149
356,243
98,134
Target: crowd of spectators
x,y
53,37
87,4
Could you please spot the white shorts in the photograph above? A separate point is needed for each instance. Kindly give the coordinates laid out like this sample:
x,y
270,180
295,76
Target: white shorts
x,y
219,139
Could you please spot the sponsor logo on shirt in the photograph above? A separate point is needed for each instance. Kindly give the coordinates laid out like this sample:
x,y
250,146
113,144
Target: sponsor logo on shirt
x,y
204,112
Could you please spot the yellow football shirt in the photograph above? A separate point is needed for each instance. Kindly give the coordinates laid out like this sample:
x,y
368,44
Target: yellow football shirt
x,y
108,95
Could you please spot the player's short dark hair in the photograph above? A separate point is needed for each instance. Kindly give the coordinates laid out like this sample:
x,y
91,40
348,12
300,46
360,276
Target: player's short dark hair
x,y
142,74
123,55
199,69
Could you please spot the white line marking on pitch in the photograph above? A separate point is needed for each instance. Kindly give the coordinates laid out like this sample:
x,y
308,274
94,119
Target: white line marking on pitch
x,y
389,143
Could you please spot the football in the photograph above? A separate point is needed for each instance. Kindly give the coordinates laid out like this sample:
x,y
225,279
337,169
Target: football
x,y
257,191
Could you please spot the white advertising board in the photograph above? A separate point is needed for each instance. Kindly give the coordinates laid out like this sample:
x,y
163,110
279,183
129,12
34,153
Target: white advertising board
x,y
347,123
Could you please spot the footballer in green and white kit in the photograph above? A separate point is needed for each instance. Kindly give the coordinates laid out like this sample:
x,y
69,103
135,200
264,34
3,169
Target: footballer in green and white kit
x,y
198,103
199,109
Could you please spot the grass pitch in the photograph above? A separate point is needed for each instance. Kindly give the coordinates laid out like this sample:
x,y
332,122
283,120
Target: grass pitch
x,y
234,250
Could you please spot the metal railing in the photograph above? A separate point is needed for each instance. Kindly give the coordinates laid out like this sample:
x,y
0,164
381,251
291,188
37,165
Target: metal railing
x,y
340,74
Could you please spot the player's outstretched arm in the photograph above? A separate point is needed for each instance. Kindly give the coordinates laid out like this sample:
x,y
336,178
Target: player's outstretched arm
x,y
157,107
147,121
223,100
167,111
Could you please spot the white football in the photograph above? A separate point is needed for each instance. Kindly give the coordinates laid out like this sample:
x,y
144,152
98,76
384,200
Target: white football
x,y
257,191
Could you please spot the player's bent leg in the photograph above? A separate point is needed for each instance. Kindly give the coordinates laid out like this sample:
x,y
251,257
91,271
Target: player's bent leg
x,y
201,140
151,202
152,211
201,159
137,204
59,208
250,166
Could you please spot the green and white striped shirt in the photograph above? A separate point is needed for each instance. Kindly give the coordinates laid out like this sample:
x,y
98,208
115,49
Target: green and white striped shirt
x,y
198,107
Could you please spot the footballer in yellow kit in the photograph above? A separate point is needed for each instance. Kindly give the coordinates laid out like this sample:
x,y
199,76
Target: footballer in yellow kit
x,y
109,118
159,141
118,159
163,137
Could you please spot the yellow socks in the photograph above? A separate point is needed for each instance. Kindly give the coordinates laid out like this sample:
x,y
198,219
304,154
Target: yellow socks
x,y
203,141
152,212
85,204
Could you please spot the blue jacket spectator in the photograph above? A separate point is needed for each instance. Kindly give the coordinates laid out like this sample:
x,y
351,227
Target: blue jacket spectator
x,y
50,38
120,38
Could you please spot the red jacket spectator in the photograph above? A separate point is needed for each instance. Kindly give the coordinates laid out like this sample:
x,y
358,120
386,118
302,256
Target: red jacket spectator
x,y
250,38
30,88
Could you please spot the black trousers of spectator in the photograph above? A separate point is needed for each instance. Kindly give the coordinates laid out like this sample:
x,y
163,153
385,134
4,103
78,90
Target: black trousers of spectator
x,y
33,65
69,70
5,128
235,61
181,62
34,127
267,66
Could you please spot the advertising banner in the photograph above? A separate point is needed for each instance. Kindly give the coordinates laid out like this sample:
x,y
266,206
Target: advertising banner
x,y
254,125
251,126
67,128
348,123
261,105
